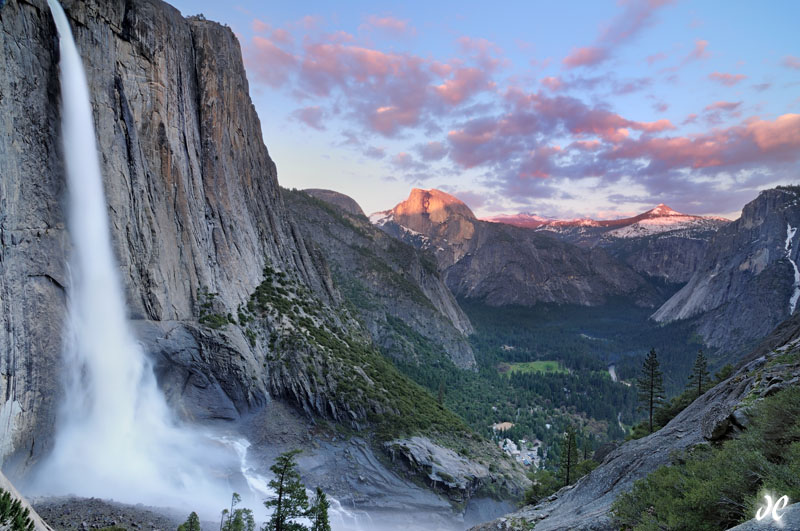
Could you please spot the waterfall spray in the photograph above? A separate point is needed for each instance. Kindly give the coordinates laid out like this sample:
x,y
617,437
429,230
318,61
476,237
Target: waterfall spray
x,y
115,436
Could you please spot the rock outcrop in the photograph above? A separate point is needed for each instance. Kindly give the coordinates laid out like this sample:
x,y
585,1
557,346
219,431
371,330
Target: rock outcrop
x,y
715,415
789,519
747,282
505,265
385,280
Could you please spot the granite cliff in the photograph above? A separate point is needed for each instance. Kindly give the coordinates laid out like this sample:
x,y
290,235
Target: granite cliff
x,y
747,281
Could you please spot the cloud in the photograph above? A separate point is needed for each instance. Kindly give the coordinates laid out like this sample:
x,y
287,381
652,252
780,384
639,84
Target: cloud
x,y
586,56
375,152
432,151
652,59
718,111
389,25
728,80
553,83
270,63
404,161
636,17
465,83
311,116
791,62
699,52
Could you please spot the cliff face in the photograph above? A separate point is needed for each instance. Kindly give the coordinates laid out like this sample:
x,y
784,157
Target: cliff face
x,y
503,264
386,280
746,283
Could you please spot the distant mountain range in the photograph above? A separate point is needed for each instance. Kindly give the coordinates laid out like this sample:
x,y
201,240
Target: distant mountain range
x,y
503,264
739,279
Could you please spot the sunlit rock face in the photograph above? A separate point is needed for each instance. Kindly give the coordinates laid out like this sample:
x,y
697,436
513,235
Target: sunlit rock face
x,y
747,281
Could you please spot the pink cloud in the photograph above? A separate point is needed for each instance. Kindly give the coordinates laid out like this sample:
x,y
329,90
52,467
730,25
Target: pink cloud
x,y
784,132
311,116
464,83
586,56
660,56
723,106
281,36
259,26
757,142
699,52
553,83
726,79
586,145
791,62
270,63
637,15
390,25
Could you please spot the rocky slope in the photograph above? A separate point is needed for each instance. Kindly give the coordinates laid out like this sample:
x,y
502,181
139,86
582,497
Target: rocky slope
x,y
716,415
238,314
660,243
504,265
385,280
747,281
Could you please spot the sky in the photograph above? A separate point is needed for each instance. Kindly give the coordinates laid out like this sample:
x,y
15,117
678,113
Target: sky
x,y
564,109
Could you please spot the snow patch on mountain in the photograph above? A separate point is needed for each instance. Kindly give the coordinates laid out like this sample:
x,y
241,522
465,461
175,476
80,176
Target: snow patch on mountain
x,y
657,225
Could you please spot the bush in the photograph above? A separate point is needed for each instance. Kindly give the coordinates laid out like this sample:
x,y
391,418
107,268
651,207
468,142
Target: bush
x,y
715,488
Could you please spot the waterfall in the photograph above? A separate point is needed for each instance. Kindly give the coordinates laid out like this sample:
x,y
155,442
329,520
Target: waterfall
x,y
115,436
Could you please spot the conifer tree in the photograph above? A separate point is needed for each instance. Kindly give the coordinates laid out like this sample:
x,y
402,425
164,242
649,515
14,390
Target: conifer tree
x,y
191,524
699,378
291,501
651,386
13,515
319,512
569,456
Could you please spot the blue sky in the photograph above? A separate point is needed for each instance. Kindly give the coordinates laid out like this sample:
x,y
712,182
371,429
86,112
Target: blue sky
x,y
562,109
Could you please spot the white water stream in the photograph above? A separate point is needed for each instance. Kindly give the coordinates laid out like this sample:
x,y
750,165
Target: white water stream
x,y
790,232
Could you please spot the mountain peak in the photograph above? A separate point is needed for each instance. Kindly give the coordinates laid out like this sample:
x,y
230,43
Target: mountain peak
x,y
663,210
435,204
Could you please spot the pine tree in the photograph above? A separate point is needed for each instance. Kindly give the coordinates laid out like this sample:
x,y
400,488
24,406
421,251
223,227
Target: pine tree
x,y
13,515
700,375
291,501
569,457
191,524
651,386
319,512
241,520
440,397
